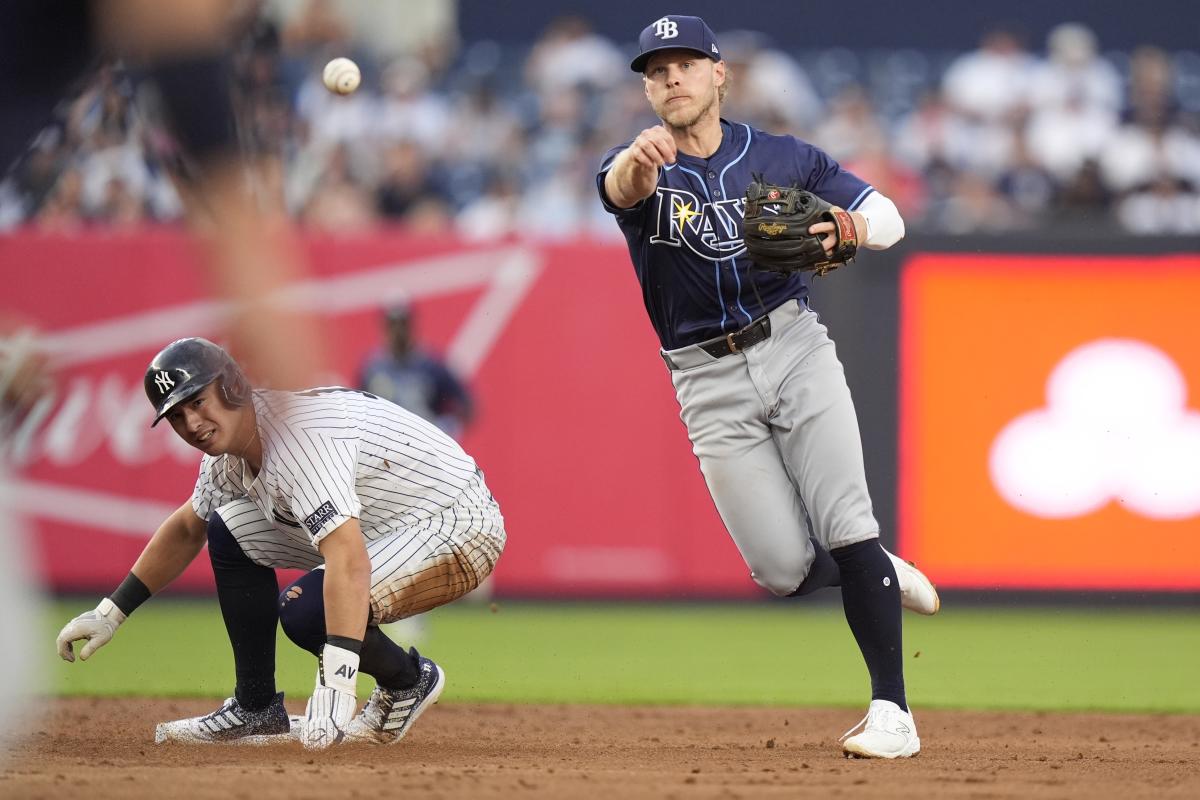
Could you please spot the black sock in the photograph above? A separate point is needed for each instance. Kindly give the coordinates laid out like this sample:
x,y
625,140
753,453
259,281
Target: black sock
x,y
247,593
823,572
391,665
871,598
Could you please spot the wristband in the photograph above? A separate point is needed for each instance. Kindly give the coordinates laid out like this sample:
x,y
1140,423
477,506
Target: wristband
x,y
338,668
345,642
130,594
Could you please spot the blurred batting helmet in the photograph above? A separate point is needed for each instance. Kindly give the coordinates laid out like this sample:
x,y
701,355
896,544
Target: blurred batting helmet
x,y
184,367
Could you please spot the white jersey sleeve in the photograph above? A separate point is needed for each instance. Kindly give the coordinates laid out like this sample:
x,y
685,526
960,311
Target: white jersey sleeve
x,y
214,487
320,463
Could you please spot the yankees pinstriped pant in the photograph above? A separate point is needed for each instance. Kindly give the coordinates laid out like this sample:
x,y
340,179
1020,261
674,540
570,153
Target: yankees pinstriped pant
x,y
413,570
775,431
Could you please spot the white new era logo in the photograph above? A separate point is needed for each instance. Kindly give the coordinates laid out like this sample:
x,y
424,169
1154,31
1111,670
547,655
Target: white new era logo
x,y
714,49
666,28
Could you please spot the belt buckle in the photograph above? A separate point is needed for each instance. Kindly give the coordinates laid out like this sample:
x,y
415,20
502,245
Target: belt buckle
x,y
733,348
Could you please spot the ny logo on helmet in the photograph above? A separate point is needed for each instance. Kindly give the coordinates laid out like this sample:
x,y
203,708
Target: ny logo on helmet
x,y
666,28
163,381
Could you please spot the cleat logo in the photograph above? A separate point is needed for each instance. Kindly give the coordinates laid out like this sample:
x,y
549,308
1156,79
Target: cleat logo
x,y
666,28
902,728
163,381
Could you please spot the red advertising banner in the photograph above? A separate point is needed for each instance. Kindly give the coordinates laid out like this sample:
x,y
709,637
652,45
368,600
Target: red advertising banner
x,y
577,431
1050,421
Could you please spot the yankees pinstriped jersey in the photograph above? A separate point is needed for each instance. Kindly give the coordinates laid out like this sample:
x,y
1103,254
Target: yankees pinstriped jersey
x,y
433,530
685,240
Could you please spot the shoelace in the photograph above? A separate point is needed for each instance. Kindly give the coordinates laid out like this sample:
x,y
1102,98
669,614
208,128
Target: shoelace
x,y
872,718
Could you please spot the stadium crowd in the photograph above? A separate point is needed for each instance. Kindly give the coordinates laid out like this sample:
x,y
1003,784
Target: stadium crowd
x,y
489,142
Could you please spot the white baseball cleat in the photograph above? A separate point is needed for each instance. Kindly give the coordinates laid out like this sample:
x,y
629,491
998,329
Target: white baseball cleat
x,y
389,713
887,732
917,593
232,724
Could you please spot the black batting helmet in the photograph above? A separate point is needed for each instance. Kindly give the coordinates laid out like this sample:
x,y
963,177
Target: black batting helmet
x,y
183,368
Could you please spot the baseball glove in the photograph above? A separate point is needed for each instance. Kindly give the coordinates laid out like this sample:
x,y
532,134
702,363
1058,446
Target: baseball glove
x,y
776,226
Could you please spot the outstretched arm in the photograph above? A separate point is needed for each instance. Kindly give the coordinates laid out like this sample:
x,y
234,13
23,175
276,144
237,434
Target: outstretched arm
x,y
173,546
634,173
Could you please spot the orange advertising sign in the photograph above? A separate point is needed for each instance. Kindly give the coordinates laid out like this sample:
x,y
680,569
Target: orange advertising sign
x,y
1050,421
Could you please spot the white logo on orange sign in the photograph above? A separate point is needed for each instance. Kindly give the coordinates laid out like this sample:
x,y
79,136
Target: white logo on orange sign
x,y
1115,428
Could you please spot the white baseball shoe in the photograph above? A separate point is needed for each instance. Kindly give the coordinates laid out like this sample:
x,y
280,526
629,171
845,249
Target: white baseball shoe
x,y
887,732
389,713
917,593
232,724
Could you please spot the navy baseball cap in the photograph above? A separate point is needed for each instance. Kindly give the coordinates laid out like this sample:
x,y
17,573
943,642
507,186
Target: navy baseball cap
x,y
675,32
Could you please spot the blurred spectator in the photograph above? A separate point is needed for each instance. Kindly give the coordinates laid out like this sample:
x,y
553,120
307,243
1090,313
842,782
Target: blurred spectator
x,y
413,378
570,56
1140,155
767,84
992,82
1060,136
976,206
500,140
406,180
1074,73
494,214
409,109
851,127
1151,97
1027,186
1084,200
1164,207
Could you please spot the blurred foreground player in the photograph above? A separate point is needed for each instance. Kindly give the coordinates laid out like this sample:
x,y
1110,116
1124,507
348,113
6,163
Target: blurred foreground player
x,y
48,46
22,381
388,513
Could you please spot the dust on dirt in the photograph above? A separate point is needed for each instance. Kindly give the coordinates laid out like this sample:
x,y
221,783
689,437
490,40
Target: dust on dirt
x,y
104,748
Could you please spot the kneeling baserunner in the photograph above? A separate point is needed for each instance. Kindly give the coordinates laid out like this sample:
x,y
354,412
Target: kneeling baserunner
x,y
389,515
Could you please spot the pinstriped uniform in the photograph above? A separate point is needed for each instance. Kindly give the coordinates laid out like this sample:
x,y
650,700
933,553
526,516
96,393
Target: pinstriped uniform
x,y
433,530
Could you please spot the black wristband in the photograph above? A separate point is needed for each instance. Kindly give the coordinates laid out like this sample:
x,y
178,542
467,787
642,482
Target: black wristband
x,y
346,643
130,594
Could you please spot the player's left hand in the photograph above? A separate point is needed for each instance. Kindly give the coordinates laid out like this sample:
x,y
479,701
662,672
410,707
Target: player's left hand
x,y
828,231
328,713
334,700
96,627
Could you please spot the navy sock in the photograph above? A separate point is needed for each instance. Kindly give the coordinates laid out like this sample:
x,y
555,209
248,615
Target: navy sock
x,y
823,572
391,665
246,592
871,599
302,613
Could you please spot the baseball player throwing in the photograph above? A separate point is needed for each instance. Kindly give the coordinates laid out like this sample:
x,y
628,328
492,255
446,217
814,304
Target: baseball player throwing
x,y
388,513
760,388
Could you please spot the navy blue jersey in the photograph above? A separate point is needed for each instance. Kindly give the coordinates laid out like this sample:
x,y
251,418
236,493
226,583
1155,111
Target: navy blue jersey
x,y
686,238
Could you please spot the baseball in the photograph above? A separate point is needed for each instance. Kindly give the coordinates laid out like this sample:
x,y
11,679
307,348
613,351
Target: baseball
x,y
341,76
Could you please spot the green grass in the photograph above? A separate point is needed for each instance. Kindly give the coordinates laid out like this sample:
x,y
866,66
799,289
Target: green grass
x,y
756,654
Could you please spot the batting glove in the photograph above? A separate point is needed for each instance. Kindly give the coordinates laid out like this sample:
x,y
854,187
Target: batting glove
x,y
97,626
334,700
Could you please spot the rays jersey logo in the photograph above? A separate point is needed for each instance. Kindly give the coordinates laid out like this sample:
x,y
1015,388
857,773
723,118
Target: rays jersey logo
x,y
712,231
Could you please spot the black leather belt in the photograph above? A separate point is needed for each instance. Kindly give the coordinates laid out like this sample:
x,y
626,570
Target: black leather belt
x,y
738,341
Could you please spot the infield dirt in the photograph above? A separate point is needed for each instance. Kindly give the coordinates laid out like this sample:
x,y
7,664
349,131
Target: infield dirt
x,y
104,748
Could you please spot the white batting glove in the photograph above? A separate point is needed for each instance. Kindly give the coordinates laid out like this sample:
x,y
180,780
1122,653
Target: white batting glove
x,y
334,700
97,626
